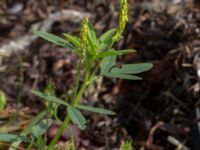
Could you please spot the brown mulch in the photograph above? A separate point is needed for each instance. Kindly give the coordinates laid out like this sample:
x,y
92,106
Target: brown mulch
x,y
150,112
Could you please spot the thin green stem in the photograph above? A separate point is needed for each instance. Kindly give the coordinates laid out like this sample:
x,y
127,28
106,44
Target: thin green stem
x,y
77,80
56,115
59,133
21,86
82,89
72,142
30,144
21,80
97,66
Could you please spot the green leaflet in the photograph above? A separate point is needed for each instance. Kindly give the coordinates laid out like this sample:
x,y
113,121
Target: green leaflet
x,y
107,35
107,63
107,53
49,98
54,39
72,39
41,127
114,53
96,110
131,68
92,48
77,117
105,40
125,71
91,33
35,121
91,38
122,76
7,137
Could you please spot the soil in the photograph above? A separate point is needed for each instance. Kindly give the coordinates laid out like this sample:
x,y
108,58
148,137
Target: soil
x,y
161,112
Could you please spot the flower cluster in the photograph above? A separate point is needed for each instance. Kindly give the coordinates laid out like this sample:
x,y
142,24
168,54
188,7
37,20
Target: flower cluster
x,y
83,37
122,20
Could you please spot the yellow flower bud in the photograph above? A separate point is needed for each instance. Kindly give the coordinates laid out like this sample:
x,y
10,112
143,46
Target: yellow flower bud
x,y
122,20
83,37
84,33
50,90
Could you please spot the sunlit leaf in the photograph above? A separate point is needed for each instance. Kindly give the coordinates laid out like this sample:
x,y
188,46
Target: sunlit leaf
x,y
101,46
92,51
54,39
108,53
105,40
96,110
92,34
107,35
49,98
132,68
77,117
72,39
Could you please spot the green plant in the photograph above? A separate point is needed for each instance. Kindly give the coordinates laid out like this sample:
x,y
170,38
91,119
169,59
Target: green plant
x,y
97,58
2,100
127,145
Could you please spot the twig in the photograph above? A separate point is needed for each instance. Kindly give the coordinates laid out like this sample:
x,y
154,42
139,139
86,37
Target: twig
x,y
170,95
178,144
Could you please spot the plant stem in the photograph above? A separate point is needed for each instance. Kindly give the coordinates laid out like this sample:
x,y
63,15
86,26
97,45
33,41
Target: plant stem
x,y
77,80
82,89
67,118
59,133
30,145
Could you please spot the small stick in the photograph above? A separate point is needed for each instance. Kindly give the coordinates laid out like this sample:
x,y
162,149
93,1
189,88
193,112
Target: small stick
x,y
178,144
